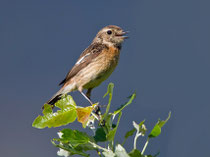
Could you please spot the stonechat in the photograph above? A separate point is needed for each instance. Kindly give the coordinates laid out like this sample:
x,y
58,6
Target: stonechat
x,y
95,64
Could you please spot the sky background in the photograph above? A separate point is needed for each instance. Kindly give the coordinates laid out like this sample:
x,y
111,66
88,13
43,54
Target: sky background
x,y
166,60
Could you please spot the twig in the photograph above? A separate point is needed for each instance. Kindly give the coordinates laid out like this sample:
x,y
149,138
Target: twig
x,y
97,146
135,139
145,146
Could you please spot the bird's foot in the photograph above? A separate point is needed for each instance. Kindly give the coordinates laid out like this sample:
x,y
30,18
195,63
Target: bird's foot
x,y
97,111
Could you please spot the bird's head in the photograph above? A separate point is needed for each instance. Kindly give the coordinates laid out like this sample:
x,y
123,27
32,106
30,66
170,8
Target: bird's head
x,y
111,35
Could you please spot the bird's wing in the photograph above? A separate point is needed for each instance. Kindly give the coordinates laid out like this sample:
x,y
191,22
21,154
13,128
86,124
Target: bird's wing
x,y
85,58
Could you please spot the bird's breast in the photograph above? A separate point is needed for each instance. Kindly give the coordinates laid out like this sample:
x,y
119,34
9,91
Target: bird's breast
x,y
108,58
102,67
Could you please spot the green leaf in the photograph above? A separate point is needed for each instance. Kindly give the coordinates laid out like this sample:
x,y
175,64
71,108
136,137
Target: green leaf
x,y
120,151
108,123
128,134
85,147
71,150
67,114
65,101
109,89
100,135
126,104
157,128
155,131
74,137
75,142
110,92
110,136
135,153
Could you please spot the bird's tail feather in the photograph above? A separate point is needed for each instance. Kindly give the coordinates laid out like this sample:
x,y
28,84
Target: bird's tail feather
x,y
57,96
54,99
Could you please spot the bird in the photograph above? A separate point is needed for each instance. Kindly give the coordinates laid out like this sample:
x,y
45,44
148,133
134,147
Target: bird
x,y
95,64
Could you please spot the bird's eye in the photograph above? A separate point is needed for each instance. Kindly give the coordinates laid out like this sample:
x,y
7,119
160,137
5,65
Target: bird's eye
x,y
109,32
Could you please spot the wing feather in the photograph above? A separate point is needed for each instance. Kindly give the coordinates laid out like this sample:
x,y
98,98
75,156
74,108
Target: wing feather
x,y
85,58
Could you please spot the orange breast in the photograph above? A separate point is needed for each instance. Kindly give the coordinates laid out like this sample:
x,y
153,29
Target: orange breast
x,y
102,67
112,52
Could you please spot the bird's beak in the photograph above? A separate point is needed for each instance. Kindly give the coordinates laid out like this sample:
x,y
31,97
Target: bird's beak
x,y
123,34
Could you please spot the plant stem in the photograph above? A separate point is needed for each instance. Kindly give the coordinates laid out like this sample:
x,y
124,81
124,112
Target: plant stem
x,y
97,146
111,145
105,129
135,139
123,142
145,146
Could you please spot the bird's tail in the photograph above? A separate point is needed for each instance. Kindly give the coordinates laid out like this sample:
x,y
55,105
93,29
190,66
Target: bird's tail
x,y
54,99
57,96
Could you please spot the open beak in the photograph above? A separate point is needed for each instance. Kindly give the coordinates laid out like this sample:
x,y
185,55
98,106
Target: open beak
x,y
123,34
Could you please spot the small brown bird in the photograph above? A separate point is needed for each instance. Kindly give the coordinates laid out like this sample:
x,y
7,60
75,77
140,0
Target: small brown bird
x,y
95,64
